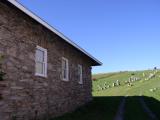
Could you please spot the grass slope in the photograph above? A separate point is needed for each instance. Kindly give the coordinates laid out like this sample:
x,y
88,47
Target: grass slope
x,y
141,87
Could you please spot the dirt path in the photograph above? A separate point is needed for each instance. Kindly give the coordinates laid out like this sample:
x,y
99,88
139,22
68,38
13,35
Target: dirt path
x,y
147,110
120,112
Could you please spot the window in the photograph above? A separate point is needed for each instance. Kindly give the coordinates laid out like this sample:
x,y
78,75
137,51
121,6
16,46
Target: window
x,y
41,62
65,69
80,76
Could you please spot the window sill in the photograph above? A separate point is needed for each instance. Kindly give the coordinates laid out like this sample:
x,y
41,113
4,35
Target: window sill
x,y
41,75
80,83
65,80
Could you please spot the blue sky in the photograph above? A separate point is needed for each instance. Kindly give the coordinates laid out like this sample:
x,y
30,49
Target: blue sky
x,y
123,34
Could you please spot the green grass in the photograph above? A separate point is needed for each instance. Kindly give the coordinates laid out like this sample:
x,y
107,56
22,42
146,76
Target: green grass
x,y
99,109
133,110
105,103
154,105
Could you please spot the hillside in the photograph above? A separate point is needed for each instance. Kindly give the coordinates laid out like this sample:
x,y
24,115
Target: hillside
x,y
142,84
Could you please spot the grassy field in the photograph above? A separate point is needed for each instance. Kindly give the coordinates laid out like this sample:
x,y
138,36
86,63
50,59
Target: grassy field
x,y
106,101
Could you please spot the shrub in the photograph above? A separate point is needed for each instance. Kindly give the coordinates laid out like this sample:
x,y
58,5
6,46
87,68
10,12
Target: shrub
x,y
94,79
2,74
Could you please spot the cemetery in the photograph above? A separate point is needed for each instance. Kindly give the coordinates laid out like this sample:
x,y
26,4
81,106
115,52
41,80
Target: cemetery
x,y
130,82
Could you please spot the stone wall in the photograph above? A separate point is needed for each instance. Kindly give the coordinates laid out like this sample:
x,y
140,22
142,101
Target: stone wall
x,y
24,95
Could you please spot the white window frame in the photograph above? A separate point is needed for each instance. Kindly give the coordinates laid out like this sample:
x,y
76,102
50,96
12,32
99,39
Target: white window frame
x,y
67,69
80,74
45,62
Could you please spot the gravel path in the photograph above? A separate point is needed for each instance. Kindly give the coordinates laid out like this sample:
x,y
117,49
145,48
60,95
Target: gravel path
x,y
120,112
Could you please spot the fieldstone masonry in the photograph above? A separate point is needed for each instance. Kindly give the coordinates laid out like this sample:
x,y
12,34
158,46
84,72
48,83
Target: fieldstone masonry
x,y
24,96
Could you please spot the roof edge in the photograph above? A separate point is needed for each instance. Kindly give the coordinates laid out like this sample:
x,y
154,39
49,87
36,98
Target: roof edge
x,y
45,24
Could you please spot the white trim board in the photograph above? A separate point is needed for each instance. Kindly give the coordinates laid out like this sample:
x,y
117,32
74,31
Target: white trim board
x,y
38,19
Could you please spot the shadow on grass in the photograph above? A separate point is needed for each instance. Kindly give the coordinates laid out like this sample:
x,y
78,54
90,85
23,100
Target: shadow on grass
x,y
105,108
154,105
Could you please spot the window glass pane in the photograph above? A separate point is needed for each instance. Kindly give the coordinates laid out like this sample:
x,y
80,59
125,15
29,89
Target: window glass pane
x,y
63,64
39,67
79,70
64,69
64,74
39,55
80,74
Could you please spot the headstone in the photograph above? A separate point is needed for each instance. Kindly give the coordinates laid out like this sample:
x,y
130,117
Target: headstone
x,y
144,75
117,83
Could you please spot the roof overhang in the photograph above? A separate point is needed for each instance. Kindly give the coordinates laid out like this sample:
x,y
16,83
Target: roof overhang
x,y
45,24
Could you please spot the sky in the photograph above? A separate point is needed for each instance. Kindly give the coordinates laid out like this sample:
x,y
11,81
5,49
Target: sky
x,y
122,34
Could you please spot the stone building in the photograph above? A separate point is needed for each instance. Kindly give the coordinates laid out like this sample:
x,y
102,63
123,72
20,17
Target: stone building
x,y
46,74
